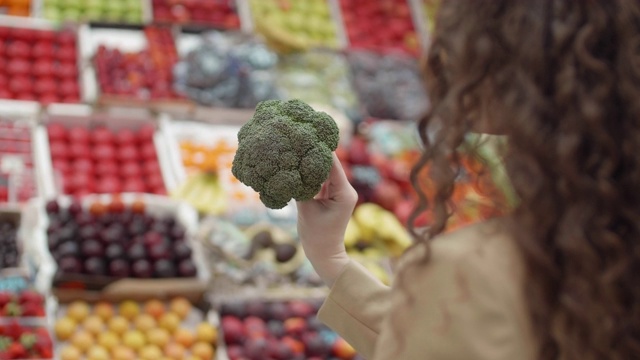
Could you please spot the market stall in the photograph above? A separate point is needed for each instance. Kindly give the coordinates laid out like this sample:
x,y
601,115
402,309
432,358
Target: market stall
x,y
124,233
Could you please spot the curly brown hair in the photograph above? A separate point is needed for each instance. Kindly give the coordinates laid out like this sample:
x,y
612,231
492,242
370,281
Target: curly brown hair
x,y
560,79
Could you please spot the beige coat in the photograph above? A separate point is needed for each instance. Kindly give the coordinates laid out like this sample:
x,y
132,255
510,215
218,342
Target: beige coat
x,y
465,303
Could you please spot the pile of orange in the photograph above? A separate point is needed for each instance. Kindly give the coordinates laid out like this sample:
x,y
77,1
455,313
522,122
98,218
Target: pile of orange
x,y
205,158
15,7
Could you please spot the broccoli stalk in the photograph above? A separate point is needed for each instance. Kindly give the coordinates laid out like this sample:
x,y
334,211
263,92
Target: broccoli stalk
x,y
284,151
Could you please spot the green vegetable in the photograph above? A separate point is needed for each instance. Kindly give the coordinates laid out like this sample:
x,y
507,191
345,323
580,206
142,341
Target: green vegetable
x,y
284,151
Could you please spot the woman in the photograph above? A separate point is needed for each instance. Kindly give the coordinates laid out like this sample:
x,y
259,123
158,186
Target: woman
x,y
557,277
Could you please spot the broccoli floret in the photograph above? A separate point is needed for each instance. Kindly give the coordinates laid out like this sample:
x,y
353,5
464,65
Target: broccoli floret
x,y
284,151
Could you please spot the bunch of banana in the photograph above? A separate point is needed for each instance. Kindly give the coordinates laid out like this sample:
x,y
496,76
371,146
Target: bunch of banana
x,y
279,39
204,192
378,228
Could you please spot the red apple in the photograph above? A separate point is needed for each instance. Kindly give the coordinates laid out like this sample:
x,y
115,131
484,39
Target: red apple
x,y
104,152
48,98
59,150
128,153
66,38
152,167
155,181
148,152
82,165
62,166
78,134
146,133
81,181
130,169
69,88
71,99
106,168
57,132
18,49
108,185
24,34
45,86
80,150
46,35
43,50
233,329
20,84
133,185
66,54
44,68
125,137
67,71
102,135
4,80
18,66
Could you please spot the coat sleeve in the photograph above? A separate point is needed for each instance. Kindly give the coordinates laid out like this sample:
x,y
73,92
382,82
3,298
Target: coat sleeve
x,y
462,304
356,308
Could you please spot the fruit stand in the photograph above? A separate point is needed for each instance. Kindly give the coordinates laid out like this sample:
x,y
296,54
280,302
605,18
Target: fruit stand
x,y
124,233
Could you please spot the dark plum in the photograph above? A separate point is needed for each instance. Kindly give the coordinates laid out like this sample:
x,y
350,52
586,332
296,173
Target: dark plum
x,y
177,232
137,252
52,207
113,234
88,231
236,309
92,248
160,227
114,251
285,252
75,208
278,311
276,328
142,269
164,269
169,221
159,251
119,268
95,266
187,268
256,308
136,227
53,240
152,239
181,250
84,218
69,265
67,233
68,248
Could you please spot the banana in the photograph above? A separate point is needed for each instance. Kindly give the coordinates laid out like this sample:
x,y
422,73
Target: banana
x,y
353,234
278,38
204,192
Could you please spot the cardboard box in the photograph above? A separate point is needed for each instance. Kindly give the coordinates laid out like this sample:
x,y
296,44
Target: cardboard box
x,y
68,287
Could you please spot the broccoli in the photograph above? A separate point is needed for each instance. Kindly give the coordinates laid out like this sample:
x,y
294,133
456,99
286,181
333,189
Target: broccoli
x,y
284,151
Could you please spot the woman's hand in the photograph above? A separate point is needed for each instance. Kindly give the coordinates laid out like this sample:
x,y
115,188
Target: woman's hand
x,y
323,221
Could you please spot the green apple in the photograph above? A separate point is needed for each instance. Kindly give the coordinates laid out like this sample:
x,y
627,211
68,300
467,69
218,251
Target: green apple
x,y
94,5
133,17
113,16
72,14
52,3
115,6
52,13
72,5
134,5
94,13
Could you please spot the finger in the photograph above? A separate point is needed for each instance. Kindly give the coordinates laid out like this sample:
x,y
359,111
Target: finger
x,y
337,175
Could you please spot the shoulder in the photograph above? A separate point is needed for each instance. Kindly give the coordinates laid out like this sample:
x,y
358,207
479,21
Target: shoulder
x,y
483,257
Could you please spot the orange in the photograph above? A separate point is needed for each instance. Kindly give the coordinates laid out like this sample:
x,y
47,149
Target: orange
x,y
145,322
82,340
129,309
202,350
118,324
174,351
170,322
104,310
181,306
154,308
205,332
69,352
184,337
78,310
